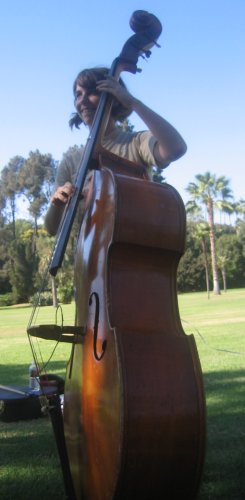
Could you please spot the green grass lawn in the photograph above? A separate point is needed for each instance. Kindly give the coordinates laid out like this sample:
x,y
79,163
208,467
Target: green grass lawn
x,y
219,328
28,457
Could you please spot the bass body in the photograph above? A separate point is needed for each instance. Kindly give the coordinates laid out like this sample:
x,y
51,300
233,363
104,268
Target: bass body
x,y
134,412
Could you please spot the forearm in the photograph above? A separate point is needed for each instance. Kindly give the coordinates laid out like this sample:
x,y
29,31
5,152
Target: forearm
x,y
171,145
52,218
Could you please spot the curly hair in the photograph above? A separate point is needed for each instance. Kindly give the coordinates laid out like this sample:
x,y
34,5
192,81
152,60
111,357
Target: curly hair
x,y
87,79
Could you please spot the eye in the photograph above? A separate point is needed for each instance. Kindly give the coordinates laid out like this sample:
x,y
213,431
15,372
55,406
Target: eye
x,y
77,95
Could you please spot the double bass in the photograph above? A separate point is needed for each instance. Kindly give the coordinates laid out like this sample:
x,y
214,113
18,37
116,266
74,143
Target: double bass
x,y
134,404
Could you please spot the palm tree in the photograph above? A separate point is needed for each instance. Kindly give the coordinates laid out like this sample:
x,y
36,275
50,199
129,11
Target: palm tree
x,y
239,209
222,262
212,192
201,231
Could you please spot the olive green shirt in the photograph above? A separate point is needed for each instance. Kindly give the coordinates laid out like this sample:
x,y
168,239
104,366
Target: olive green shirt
x,y
136,147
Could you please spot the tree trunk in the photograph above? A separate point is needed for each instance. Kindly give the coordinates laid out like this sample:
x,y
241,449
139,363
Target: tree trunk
x,y
216,288
203,246
224,278
34,236
54,292
13,209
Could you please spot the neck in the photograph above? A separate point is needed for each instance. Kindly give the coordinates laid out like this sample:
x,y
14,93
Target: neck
x,y
110,126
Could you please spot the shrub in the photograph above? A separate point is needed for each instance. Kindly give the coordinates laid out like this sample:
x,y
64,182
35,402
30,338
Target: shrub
x,y
6,300
45,299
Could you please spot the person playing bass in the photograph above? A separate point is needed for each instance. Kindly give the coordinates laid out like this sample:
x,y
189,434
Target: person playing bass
x,y
160,145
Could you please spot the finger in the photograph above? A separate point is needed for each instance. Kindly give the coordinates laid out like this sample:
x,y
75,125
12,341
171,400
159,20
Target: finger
x,y
64,194
110,83
68,188
60,196
59,199
68,185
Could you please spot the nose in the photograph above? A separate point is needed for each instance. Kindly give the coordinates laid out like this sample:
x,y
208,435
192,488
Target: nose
x,y
84,97
81,99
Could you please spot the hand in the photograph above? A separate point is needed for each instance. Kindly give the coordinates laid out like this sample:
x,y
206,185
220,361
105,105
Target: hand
x,y
62,194
112,86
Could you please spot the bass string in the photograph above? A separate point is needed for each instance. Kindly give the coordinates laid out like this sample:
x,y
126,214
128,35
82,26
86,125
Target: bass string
x,y
36,350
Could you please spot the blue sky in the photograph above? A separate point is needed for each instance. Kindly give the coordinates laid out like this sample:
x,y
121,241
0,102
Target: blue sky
x,y
196,80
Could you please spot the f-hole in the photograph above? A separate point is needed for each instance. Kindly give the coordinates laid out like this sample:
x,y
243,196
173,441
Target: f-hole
x,y
95,296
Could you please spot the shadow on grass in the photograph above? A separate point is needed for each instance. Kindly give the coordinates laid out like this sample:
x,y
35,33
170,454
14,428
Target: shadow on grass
x,y
29,461
30,465
224,471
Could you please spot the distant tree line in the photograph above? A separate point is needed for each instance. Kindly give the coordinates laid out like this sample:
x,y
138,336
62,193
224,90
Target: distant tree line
x,y
215,252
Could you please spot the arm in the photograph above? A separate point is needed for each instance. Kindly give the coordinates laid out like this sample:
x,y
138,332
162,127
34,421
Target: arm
x,y
57,206
58,202
170,145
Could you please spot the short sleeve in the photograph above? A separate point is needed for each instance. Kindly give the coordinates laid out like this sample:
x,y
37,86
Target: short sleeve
x,y
146,146
68,167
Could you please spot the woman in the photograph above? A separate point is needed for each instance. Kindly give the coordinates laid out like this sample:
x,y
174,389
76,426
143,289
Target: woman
x,y
159,145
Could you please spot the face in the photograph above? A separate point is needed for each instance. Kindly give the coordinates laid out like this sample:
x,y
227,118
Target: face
x,y
86,102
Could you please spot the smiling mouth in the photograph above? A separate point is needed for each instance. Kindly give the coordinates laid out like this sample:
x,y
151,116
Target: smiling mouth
x,y
87,110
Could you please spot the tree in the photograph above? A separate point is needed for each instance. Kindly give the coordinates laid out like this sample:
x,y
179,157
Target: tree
x,y
211,191
230,259
6,237
37,176
240,230
239,209
23,263
157,175
126,126
191,275
10,186
200,231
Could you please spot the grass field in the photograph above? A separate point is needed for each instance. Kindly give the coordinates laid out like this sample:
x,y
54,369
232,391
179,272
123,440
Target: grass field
x,y
28,457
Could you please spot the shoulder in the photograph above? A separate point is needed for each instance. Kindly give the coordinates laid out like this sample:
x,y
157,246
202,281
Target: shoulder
x,y
139,140
125,137
135,146
73,155
69,164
